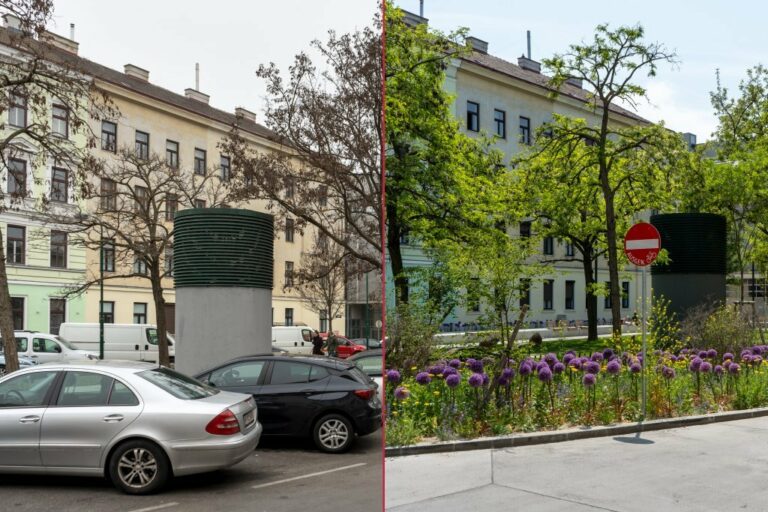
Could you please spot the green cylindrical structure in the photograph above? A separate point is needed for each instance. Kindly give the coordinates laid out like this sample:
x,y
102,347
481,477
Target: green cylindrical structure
x,y
223,272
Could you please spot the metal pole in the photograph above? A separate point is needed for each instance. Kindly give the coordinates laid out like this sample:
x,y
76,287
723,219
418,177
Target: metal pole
x,y
101,295
645,358
367,313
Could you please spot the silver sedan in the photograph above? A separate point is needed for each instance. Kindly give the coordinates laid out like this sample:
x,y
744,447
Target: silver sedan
x,y
137,423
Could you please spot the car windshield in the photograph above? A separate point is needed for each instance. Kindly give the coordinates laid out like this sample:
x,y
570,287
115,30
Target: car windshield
x,y
177,384
64,342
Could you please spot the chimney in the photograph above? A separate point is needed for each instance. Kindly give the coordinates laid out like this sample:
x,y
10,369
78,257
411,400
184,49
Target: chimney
x,y
528,36
529,64
71,31
576,82
411,20
194,94
136,72
12,22
245,114
690,140
60,42
478,45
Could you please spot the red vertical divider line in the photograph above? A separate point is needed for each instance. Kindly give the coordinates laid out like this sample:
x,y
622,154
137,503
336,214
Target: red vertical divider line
x,y
383,230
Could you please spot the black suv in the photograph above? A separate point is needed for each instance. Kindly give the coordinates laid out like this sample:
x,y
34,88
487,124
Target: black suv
x,y
302,396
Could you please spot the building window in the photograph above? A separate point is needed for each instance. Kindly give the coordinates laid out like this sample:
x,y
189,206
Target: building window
x,y
323,320
525,131
500,122
288,274
108,194
570,294
108,312
289,230
17,111
139,264
549,285
569,249
200,162
58,249
142,145
525,229
549,245
171,206
525,292
57,314
169,260
109,136
172,153
108,259
139,312
199,203
607,298
17,177
288,316
625,294
60,121
225,168
322,195
59,185
290,188
16,249
142,199
17,311
473,116
473,296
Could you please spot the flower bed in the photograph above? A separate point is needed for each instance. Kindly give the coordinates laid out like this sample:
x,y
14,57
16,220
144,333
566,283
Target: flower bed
x,y
458,399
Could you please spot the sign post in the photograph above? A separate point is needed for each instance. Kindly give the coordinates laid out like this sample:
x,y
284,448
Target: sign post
x,y
642,244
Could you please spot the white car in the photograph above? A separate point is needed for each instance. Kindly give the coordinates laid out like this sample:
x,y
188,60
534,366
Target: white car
x,y
47,348
130,342
295,339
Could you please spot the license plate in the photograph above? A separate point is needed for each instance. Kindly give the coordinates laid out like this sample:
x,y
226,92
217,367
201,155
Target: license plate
x,y
248,418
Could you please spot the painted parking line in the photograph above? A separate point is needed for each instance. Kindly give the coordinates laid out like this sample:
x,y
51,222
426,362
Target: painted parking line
x,y
260,486
156,507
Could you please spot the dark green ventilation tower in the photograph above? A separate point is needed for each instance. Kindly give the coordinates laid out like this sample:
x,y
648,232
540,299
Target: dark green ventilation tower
x,y
223,267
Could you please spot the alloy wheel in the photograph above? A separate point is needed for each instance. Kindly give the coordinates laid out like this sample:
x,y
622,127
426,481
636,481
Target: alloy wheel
x,y
137,468
333,434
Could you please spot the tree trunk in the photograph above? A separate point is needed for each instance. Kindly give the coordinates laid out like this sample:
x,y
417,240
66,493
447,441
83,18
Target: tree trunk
x,y
613,257
6,317
162,337
591,298
395,256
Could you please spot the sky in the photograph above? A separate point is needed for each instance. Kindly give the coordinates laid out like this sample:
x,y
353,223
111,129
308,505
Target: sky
x,y
229,38
706,35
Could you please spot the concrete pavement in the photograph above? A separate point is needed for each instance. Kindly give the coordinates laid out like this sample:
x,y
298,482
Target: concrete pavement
x,y
717,467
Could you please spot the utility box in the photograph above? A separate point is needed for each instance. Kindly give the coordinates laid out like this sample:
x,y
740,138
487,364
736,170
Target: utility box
x,y
223,273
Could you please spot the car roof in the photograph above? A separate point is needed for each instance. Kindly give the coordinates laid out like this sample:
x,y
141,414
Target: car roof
x,y
319,360
125,367
373,352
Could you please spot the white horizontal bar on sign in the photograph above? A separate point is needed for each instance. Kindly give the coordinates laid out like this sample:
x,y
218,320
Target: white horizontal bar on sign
x,y
652,243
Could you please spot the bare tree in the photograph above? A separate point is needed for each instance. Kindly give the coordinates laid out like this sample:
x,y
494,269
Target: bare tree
x,y
129,215
328,171
47,102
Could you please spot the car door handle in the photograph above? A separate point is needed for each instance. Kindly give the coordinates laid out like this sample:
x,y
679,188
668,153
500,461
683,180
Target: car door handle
x,y
146,347
29,419
113,418
136,347
33,356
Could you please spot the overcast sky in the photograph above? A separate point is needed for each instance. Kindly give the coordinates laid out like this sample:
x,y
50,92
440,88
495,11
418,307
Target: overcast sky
x,y
707,34
229,38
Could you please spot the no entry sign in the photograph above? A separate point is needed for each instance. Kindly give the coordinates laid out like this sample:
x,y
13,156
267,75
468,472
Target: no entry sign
x,y
642,244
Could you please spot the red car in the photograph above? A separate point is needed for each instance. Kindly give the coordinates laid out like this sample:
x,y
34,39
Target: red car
x,y
346,346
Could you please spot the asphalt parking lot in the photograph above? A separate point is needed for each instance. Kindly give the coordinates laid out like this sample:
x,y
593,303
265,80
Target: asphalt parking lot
x,y
282,475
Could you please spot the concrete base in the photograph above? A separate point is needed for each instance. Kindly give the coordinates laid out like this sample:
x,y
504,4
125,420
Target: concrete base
x,y
216,324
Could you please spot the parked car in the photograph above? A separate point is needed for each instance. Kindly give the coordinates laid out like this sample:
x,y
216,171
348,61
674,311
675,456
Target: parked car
x,y
295,339
368,343
24,362
322,398
136,423
346,346
46,348
371,362
131,342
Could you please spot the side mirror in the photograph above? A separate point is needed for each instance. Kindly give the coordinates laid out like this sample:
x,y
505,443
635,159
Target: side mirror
x,y
58,349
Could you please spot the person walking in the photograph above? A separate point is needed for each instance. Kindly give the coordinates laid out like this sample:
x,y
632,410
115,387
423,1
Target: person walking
x,y
317,344
332,343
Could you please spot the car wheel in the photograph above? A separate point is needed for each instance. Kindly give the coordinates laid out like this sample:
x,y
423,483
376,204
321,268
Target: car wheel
x,y
334,433
139,467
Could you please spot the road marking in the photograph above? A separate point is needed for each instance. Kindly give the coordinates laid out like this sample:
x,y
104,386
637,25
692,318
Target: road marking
x,y
156,507
308,476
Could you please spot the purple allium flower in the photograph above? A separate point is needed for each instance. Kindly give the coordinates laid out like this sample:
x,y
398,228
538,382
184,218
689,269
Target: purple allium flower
x,y
695,364
401,393
486,379
558,367
453,380
706,367
711,353
727,356
436,369
668,372
592,367
745,354
503,382
747,358
545,374
635,367
475,365
476,380
393,376
757,350
607,353
757,359
597,357
454,363
449,370
613,367
540,365
734,368
423,378
727,363
588,380
576,363
551,359
719,370
567,358
507,373
525,368
702,354
684,351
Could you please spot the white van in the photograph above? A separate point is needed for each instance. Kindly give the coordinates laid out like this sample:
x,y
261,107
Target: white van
x,y
46,348
296,339
134,342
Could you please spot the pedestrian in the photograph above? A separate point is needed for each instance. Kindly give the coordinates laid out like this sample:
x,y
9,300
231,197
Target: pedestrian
x,y
332,343
635,319
317,344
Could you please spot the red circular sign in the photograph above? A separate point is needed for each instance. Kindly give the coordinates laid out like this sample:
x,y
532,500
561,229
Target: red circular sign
x,y
642,244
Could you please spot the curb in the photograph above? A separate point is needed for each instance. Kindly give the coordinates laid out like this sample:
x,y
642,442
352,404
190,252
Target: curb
x,y
571,434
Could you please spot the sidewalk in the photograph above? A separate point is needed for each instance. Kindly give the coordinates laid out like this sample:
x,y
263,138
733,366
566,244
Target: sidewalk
x,y
718,467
